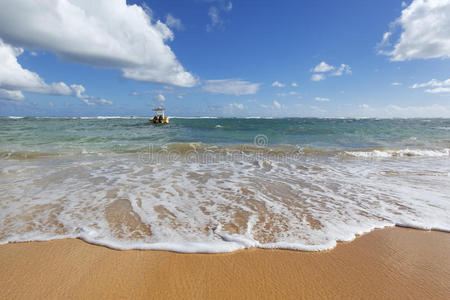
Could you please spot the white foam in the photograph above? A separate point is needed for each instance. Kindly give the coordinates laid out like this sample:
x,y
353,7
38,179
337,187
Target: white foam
x,y
400,153
306,205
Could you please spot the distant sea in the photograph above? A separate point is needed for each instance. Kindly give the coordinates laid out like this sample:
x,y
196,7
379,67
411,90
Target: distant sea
x,y
220,184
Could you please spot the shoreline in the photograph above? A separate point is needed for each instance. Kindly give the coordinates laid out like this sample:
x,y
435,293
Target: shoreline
x,y
389,263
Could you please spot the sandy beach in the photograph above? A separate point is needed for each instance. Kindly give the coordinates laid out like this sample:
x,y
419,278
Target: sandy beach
x,y
388,263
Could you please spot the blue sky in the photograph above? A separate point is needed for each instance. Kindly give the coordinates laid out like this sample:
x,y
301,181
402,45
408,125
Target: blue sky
x,y
356,58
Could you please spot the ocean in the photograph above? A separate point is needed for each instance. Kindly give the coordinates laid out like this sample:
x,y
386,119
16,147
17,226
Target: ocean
x,y
220,184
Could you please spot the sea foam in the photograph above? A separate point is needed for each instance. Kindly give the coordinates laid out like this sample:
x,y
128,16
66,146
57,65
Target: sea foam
x,y
310,204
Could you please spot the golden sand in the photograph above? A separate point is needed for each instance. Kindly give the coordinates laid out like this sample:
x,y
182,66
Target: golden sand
x,y
390,263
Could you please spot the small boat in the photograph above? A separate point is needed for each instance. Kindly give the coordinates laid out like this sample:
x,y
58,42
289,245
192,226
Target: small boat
x,y
159,116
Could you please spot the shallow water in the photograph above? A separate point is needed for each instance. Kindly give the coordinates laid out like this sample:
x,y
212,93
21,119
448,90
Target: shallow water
x,y
194,186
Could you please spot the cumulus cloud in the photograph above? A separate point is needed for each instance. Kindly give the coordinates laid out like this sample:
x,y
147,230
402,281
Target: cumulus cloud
x,y
425,32
294,84
214,14
230,87
278,84
434,86
396,84
173,22
323,67
276,104
14,80
321,99
322,70
317,77
103,33
11,95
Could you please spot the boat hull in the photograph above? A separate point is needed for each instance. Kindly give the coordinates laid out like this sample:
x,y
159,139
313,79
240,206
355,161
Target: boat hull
x,y
163,121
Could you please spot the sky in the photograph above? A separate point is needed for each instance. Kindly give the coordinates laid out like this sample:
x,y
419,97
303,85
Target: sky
x,y
352,58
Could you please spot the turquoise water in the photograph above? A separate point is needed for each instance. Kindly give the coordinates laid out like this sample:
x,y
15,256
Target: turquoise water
x,y
90,135
219,185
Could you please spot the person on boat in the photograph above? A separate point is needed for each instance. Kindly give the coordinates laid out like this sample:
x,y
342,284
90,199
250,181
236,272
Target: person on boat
x,y
160,118
155,119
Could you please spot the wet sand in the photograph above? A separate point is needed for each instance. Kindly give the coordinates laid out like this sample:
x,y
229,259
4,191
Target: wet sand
x,y
389,263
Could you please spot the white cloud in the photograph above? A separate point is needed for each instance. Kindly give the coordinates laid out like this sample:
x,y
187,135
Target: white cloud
x,y
14,80
438,90
385,40
396,84
425,27
404,4
294,84
320,99
323,67
160,98
104,33
432,83
229,6
96,101
322,70
278,84
173,22
11,95
436,86
214,16
292,93
317,77
239,106
276,104
343,69
230,87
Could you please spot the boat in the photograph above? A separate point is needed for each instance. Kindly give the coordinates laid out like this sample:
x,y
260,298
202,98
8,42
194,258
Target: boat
x,y
159,117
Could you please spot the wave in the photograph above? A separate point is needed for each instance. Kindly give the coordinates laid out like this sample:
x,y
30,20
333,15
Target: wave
x,y
20,155
191,150
400,153
123,202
